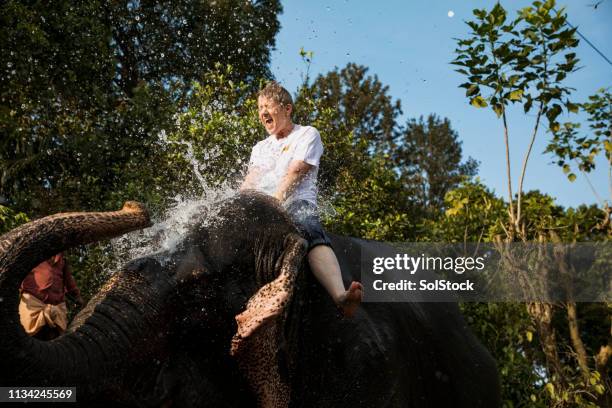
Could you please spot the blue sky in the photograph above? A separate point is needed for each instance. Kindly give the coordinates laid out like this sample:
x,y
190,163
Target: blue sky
x,y
409,44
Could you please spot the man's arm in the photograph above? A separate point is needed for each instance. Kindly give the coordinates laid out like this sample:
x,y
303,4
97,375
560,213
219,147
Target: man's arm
x,y
251,178
295,173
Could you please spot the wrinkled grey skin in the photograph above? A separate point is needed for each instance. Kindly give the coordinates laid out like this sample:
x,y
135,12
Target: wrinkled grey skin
x,y
160,335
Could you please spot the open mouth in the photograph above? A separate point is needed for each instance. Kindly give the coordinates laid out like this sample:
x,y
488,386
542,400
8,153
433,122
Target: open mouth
x,y
268,121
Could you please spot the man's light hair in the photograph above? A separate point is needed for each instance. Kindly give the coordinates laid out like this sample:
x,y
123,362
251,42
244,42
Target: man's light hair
x,y
274,91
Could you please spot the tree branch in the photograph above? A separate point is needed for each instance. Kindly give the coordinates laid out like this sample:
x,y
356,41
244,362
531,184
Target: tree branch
x,y
524,168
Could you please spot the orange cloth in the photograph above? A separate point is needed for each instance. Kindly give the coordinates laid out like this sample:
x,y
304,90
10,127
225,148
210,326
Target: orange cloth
x,y
34,314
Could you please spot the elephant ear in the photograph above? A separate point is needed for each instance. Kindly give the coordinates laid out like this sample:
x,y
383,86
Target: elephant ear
x,y
257,340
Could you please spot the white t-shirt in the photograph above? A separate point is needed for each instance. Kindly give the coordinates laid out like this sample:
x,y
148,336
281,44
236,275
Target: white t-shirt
x,y
271,158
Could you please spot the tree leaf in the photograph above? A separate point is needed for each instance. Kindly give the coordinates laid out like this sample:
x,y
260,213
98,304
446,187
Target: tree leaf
x,y
550,388
498,109
554,127
479,102
516,95
472,90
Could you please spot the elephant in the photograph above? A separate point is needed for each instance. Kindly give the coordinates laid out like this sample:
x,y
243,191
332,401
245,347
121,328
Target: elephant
x,y
234,318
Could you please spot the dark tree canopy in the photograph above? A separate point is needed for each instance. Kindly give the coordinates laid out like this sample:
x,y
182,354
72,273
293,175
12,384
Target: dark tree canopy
x,y
86,86
429,158
169,40
363,103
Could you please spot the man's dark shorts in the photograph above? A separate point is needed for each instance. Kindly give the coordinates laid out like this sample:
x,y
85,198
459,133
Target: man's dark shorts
x,y
306,216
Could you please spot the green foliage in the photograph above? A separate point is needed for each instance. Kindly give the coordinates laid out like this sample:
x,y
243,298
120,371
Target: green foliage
x,y
569,146
10,219
473,214
428,157
221,125
184,39
523,60
543,216
368,202
86,88
363,103
507,332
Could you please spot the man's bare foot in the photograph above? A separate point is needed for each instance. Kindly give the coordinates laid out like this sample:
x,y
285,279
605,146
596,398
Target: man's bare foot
x,y
349,301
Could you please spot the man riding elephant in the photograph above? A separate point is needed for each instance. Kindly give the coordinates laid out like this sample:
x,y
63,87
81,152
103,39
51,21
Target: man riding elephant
x,y
285,166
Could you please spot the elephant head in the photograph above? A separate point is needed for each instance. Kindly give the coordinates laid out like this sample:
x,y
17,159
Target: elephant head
x,y
226,291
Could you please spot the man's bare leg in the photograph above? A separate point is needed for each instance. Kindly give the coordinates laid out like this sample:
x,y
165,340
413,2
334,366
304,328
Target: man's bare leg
x,y
324,266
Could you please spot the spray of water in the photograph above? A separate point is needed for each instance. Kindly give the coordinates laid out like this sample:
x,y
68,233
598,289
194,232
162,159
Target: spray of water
x,y
169,229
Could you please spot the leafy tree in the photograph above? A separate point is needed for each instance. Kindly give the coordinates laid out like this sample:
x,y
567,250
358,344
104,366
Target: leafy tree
x,y
580,331
170,40
473,214
524,61
369,202
572,147
363,103
428,156
219,127
86,88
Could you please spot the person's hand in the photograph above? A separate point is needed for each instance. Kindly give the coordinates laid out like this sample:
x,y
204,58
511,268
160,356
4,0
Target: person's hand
x,y
278,196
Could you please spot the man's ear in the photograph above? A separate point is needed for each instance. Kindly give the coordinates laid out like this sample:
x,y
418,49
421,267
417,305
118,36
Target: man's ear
x,y
289,108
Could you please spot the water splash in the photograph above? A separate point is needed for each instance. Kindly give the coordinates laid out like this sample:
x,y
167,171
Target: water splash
x,y
189,154
169,229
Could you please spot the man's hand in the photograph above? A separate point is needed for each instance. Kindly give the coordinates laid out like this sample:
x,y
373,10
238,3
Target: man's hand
x,y
278,196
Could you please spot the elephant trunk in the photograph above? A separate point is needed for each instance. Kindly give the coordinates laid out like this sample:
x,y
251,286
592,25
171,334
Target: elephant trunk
x,y
80,355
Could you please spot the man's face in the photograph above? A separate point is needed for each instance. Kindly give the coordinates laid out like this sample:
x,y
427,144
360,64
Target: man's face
x,y
275,117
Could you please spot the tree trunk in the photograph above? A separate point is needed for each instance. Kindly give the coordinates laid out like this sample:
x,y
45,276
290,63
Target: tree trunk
x,y
581,355
541,313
